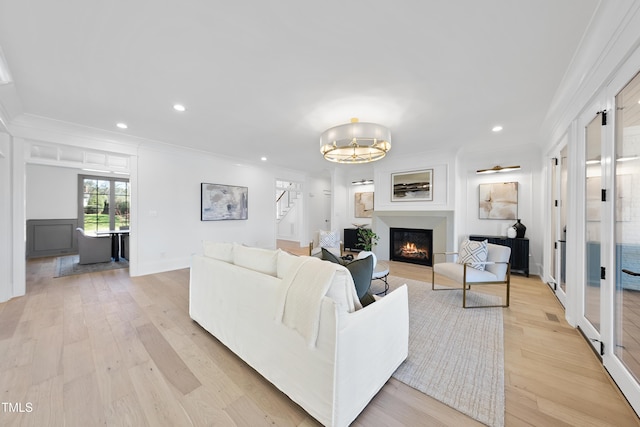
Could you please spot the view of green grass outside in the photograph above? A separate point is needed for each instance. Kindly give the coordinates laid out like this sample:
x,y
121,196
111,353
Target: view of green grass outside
x,y
100,222
99,214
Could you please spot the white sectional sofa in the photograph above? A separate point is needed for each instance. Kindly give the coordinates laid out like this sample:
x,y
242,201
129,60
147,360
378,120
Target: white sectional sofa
x,y
331,363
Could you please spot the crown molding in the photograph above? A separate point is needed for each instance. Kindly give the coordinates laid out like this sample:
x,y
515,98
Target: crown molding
x,y
609,40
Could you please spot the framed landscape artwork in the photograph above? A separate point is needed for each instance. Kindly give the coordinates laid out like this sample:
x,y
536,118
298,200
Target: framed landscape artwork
x,y
498,200
364,204
412,186
223,202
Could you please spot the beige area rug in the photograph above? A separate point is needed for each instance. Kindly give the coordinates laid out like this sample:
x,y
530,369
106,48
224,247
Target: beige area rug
x,y
455,355
68,266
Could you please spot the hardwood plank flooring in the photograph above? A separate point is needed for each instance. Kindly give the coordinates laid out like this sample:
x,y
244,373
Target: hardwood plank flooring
x,y
98,349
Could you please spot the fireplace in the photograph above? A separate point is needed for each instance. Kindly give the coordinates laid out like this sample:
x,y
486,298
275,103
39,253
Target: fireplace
x,y
413,245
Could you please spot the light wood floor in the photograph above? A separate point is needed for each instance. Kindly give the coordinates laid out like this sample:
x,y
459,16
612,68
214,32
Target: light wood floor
x,y
107,349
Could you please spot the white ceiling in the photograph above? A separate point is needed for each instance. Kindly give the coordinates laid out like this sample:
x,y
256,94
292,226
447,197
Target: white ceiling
x,y
266,78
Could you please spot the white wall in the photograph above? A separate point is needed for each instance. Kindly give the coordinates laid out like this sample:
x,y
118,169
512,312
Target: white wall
x,y
318,193
12,226
6,226
166,222
443,165
351,204
529,194
52,192
165,212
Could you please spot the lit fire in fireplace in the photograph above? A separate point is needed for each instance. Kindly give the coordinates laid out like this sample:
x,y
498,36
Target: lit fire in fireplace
x,y
410,250
412,245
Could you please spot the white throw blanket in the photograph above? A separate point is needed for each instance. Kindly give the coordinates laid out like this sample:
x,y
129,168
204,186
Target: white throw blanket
x,y
301,298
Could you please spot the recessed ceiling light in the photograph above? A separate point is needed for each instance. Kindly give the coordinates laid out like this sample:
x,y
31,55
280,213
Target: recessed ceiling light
x,y
497,128
263,158
179,107
122,125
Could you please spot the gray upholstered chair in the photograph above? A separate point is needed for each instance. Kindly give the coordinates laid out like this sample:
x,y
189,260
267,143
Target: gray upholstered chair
x,y
497,269
93,249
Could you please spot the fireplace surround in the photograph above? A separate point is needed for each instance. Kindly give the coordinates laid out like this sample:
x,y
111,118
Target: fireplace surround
x,y
412,245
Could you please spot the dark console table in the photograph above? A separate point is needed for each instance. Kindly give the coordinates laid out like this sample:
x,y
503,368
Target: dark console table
x,y
351,239
519,250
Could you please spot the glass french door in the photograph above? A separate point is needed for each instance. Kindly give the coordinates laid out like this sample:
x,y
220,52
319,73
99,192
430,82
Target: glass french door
x,y
610,294
558,271
591,296
103,203
626,213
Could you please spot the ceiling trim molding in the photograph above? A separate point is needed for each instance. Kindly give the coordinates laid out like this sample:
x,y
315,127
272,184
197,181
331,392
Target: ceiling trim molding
x,y
609,40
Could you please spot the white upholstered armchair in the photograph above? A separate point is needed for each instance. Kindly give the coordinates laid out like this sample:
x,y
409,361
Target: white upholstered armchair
x,y
330,240
471,270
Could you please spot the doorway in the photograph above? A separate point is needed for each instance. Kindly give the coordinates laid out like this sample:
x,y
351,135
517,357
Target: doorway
x,y
558,216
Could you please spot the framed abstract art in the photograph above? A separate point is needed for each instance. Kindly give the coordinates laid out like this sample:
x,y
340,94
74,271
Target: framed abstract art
x,y
223,202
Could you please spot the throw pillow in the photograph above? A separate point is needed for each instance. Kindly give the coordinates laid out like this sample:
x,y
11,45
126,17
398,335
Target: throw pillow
x,y
472,252
367,299
361,271
329,239
329,256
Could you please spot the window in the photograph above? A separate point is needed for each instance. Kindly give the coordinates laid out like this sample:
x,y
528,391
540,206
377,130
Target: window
x,y
103,203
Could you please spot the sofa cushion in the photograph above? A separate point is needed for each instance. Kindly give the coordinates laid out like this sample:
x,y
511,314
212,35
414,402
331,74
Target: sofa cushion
x,y
286,263
218,250
257,259
473,253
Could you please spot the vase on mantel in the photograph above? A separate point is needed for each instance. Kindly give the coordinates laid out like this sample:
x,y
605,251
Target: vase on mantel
x,y
520,229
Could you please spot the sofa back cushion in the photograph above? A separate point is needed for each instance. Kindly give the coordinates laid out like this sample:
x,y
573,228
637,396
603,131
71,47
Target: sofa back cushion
x,y
257,259
286,263
218,250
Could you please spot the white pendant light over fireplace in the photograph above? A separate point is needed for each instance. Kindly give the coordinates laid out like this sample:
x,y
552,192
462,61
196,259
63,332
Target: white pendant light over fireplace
x,y
355,142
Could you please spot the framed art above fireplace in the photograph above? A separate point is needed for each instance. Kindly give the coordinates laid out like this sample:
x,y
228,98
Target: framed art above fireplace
x,y
412,186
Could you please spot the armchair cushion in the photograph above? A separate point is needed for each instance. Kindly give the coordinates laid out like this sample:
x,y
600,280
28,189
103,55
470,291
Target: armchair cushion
x,y
455,272
473,253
